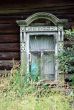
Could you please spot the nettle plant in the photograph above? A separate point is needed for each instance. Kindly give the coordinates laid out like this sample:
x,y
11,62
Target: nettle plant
x,y
66,57
69,33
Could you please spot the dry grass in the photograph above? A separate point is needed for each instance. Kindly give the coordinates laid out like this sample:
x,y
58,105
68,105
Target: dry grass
x,y
16,96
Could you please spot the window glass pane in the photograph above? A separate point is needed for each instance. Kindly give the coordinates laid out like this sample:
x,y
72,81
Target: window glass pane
x,y
41,42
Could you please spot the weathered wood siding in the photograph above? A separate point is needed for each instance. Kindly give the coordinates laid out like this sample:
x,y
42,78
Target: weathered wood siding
x,y
9,42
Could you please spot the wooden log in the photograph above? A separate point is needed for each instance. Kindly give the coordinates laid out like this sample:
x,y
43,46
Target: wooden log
x,y
11,47
7,21
8,25
7,64
9,55
12,38
9,30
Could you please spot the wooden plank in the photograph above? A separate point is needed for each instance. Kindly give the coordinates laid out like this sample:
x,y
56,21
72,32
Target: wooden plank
x,y
11,47
9,30
6,25
8,64
9,55
9,38
7,21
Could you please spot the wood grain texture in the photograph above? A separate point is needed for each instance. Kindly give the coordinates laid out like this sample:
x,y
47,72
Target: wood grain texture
x,y
7,21
9,43
8,30
9,47
11,38
9,55
30,5
8,64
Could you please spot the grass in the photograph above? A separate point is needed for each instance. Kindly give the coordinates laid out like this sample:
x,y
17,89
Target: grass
x,y
30,102
17,93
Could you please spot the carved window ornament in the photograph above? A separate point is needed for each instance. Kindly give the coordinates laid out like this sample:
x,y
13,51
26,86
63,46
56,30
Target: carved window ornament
x,y
26,30
42,15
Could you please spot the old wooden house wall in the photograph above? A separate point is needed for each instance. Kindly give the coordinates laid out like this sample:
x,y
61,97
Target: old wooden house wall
x,y
10,32
9,42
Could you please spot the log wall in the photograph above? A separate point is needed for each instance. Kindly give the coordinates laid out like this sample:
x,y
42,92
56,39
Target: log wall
x,y
9,42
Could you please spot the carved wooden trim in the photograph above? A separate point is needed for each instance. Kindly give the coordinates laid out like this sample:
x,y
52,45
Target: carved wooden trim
x,y
26,31
41,15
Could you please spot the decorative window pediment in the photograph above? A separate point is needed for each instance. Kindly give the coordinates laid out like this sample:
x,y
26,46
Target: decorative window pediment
x,y
52,19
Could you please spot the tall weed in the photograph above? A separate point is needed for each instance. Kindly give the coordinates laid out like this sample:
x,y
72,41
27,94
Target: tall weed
x,y
23,93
